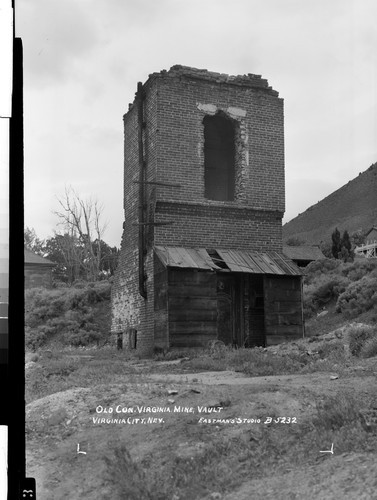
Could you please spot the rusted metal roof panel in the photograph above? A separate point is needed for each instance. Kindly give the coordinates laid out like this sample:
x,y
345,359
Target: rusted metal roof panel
x,y
243,261
185,257
238,261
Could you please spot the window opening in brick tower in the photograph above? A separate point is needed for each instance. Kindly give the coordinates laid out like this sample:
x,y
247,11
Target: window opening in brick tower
x,y
219,158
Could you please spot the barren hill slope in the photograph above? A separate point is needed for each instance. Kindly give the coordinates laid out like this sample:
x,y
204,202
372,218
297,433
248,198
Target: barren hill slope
x,y
352,207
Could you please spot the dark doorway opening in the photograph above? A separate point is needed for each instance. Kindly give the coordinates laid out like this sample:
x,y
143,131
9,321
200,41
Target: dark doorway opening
x,y
240,310
230,320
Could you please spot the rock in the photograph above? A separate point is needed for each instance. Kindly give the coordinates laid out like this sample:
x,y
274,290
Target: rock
x,y
31,357
334,377
323,313
30,364
225,403
187,451
57,417
172,391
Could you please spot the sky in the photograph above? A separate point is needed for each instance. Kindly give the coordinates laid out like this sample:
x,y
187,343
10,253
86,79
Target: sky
x,y
83,59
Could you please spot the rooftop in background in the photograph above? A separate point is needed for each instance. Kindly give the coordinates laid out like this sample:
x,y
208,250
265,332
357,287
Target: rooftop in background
x,y
303,252
33,258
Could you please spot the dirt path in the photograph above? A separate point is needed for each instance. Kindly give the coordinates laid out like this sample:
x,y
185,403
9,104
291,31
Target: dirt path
x,y
58,424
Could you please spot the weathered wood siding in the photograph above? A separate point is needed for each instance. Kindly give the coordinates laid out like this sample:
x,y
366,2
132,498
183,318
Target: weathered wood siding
x,y
192,307
161,323
38,276
225,308
283,309
255,311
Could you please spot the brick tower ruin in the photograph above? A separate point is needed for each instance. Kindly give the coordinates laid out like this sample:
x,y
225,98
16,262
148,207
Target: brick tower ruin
x,y
201,253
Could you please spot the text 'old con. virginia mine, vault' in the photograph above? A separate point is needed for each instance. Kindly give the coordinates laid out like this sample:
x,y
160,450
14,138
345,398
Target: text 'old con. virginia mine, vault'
x,y
201,255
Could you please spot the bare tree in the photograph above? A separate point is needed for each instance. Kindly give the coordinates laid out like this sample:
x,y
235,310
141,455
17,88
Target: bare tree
x,y
82,220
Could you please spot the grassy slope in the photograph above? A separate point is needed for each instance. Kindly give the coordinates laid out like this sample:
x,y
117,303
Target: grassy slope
x,y
352,207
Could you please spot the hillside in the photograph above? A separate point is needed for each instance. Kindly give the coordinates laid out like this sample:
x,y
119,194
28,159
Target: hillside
x,y
352,207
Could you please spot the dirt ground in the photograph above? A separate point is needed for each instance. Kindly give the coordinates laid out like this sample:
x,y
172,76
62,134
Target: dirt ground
x,y
70,433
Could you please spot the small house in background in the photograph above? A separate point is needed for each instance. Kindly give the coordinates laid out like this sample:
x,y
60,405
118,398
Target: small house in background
x,y
369,249
303,255
371,235
37,270
201,255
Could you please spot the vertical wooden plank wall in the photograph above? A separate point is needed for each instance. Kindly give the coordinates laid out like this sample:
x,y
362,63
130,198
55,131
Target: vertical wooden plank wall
x,y
283,308
192,307
255,332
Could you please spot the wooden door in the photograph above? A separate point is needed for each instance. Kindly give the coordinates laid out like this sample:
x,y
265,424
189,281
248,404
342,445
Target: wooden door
x,y
230,309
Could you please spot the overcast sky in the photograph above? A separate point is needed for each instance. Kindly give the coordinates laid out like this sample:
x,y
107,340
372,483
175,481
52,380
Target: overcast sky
x,y
83,59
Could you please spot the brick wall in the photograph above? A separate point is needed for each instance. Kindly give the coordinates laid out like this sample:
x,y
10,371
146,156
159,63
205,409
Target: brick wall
x,y
183,102
129,309
175,105
203,225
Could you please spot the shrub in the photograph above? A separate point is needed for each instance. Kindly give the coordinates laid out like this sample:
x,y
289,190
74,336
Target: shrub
x,y
336,411
359,269
34,338
68,313
128,477
320,267
352,285
81,338
322,291
360,296
369,348
358,336
61,367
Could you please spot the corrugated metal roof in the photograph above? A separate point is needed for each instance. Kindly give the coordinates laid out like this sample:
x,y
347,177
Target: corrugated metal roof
x,y
303,252
238,261
185,257
243,261
33,258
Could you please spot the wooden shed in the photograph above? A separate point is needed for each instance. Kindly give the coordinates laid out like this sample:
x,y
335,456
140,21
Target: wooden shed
x,y
304,254
37,270
241,298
